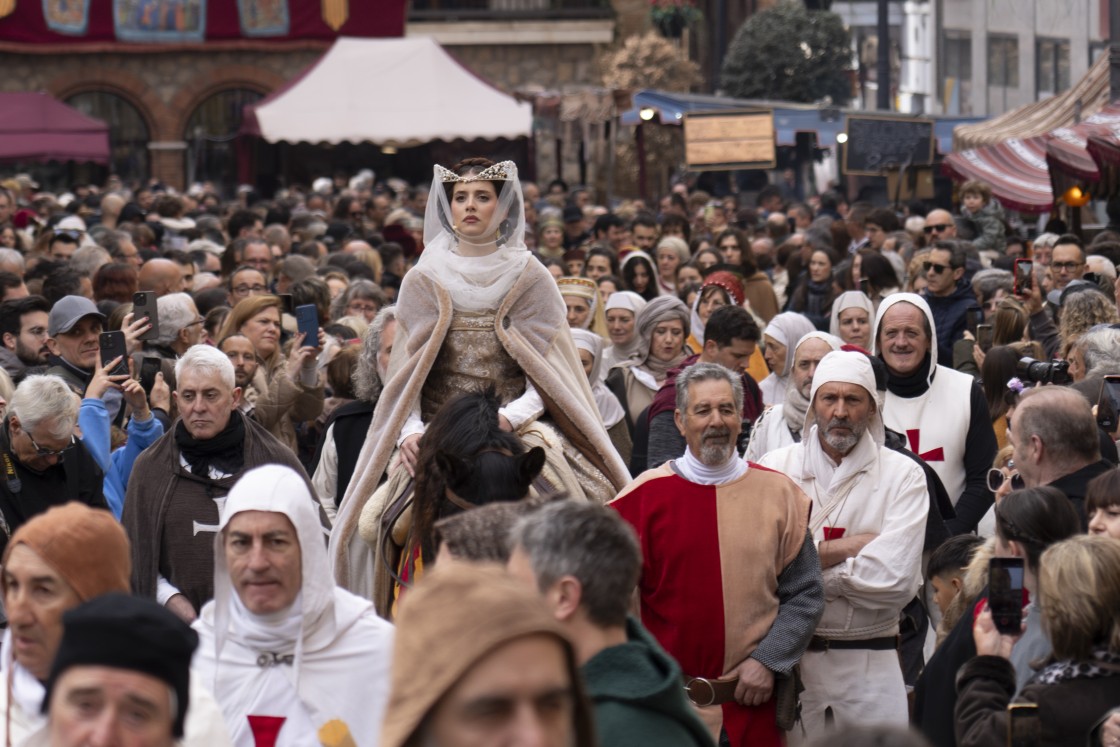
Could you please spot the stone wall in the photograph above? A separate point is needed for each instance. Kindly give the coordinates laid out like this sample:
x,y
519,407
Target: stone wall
x,y
165,88
549,66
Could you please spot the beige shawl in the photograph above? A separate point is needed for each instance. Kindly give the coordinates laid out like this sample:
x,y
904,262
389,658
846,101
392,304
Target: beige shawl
x,y
531,325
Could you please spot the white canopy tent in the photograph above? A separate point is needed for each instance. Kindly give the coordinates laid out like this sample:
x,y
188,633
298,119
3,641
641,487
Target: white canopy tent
x,y
396,92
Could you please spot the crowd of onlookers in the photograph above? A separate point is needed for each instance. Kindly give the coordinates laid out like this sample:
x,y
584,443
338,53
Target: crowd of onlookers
x,y
976,361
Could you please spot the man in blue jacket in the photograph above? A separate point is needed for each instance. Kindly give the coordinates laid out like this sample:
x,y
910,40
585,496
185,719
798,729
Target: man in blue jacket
x,y
948,294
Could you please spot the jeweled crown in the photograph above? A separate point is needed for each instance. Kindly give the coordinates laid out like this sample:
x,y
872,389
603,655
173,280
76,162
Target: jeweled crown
x,y
503,171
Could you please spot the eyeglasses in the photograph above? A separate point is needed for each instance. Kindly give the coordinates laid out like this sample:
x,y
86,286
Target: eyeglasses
x,y
60,453
927,266
69,234
243,290
938,227
1064,265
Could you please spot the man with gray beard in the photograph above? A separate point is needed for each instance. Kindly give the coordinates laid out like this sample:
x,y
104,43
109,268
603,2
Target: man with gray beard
x,y
730,583
868,520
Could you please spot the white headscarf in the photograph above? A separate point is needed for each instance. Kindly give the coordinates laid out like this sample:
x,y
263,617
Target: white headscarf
x,y
849,300
608,404
615,354
786,329
475,283
797,404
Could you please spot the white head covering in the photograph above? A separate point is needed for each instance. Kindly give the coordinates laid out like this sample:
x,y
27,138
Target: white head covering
x,y
615,354
915,300
278,489
609,407
634,254
475,283
786,328
849,300
848,367
797,404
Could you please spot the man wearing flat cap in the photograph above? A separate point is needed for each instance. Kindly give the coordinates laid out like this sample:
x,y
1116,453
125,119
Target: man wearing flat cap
x,y
478,659
121,676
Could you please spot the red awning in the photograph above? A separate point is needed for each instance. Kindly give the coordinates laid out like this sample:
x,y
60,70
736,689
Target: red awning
x,y
36,127
1027,174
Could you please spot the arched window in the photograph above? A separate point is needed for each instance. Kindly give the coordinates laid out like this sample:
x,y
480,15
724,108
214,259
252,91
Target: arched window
x,y
211,135
128,132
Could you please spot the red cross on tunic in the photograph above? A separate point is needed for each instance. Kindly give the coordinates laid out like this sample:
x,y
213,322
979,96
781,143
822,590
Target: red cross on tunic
x,y
934,455
265,729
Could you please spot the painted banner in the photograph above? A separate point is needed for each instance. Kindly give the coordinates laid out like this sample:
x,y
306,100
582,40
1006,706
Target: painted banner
x,y
264,17
160,20
69,17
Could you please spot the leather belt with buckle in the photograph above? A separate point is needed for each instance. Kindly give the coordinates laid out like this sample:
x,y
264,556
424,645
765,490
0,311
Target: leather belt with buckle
x,y
707,692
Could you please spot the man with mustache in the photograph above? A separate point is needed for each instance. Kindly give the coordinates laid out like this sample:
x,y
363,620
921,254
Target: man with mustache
x,y
730,583
23,332
780,425
868,520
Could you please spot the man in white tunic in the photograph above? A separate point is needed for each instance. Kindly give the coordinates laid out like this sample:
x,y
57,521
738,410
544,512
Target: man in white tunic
x,y
780,425
284,650
868,519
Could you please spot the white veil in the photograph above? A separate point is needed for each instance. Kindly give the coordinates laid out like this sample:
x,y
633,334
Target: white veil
x,y
475,283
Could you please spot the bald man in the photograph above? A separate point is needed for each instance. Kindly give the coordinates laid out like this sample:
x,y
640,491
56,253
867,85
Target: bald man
x,y
940,225
111,205
162,276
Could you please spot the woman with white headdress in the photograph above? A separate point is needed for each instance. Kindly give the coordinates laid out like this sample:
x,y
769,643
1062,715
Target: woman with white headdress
x,y
477,310
590,348
581,299
852,314
622,326
780,337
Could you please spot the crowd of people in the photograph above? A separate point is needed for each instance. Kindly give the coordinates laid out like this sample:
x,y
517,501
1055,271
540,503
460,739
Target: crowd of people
x,y
479,463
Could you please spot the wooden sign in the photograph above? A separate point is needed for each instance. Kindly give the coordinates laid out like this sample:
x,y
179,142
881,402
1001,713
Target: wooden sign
x,y
725,140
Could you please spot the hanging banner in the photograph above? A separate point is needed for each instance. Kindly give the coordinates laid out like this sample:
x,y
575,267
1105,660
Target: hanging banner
x,y
69,17
263,17
160,20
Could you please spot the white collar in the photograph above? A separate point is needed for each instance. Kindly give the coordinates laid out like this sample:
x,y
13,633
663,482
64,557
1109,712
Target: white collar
x,y
693,470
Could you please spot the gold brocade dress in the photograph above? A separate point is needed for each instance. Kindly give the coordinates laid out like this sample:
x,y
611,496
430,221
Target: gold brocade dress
x,y
471,359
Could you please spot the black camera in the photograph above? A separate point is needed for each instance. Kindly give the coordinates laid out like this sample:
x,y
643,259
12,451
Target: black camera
x,y
1043,372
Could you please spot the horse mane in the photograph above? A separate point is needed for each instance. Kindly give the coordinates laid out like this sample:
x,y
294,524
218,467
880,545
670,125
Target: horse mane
x,y
460,430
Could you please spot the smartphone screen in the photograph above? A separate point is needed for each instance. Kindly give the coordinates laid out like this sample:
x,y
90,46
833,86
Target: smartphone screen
x,y
307,322
1005,594
1024,725
985,334
1108,404
112,345
1024,277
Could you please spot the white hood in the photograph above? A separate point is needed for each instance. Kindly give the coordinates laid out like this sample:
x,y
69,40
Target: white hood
x,y
847,367
915,300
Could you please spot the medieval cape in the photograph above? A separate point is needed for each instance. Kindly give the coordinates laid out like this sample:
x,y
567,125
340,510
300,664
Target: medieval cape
x,y
708,592
283,676
531,325
170,514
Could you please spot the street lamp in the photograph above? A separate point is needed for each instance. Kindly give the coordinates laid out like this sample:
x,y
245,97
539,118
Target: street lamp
x,y
647,113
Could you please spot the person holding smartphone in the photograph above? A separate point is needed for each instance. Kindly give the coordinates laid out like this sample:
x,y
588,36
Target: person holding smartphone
x,y
1078,595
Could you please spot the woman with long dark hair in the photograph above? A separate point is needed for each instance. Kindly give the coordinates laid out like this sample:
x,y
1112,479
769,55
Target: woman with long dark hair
x,y
640,276
815,292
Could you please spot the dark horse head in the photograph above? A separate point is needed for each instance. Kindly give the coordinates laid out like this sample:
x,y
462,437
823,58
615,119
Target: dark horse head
x,y
467,460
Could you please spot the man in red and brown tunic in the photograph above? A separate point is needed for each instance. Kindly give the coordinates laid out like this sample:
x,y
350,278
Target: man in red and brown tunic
x,y
731,583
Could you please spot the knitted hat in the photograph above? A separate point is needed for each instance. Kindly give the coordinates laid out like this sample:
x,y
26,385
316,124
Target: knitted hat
x,y
456,616
125,632
86,546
